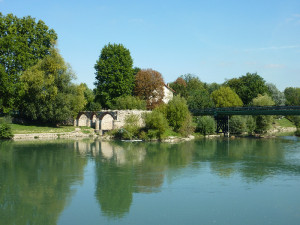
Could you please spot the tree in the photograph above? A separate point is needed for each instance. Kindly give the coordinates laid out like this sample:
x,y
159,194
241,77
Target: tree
x,y
129,102
89,96
263,122
292,95
277,96
179,86
199,99
248,86
114,74
177,112
206,125
226,97
23,42
149,86
47,94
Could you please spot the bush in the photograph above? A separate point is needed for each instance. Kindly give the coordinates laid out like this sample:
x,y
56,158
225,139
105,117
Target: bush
x,y
5,131
251,124
263,123
155,124
131,127
177,112
129,102
237,125
297,133
206,125
187,127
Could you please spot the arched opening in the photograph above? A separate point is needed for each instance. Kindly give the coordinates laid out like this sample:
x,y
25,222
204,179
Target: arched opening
x,y
107,123
83,121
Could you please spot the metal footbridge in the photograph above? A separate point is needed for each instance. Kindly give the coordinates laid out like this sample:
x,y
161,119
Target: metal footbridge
x,y
222,115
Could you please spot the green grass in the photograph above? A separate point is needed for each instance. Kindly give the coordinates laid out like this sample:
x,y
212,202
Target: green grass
x,y
30,129
284,122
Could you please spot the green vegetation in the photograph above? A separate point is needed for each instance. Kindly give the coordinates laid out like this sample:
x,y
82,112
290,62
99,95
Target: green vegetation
x,y
30,129
129,102
226,97
205,125
114,74
23,42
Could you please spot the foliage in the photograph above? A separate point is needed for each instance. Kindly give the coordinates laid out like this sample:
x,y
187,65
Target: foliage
x,y
297,132
251,124
131,127
237,125
248,86
23,42
263,100
188,127
199,99
5,128
149,86
295,120
129,102
277,96
89,96
226,97
114,74
212,87
263,122
47,94
177,112
155,123
292,96
179,86
205,125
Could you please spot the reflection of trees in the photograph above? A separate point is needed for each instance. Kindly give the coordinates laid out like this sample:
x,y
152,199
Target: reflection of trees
x,y
36,180
126,168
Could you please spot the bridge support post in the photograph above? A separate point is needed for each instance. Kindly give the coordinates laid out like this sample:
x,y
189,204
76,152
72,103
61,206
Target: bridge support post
x,y
222,124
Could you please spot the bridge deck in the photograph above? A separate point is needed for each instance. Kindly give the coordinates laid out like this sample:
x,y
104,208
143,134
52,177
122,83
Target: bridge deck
x,y
255,110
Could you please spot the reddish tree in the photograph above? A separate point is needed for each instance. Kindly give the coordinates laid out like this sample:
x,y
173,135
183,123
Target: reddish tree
x,y
149,86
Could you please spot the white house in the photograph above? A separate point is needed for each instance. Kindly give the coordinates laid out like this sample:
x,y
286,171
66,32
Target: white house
x,y
168,93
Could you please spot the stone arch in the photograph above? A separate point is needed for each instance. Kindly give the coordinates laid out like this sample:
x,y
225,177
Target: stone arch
x,y
83,120
107,122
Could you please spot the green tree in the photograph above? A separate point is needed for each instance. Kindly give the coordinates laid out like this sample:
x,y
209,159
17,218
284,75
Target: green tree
x,y
180,87
277,96
47,94
23,42
205,125
129,102
89,96
177,112
237,125
149,86
226,97
248,86
263,122
156,124
114,74
292,95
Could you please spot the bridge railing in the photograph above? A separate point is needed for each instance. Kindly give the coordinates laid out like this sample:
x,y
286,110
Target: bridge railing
x,y
252,110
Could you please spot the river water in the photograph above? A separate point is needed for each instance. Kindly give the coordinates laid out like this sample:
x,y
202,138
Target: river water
x,y
220,181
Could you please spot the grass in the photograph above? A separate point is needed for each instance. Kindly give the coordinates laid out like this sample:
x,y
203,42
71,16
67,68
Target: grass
x,y
284,122
30,129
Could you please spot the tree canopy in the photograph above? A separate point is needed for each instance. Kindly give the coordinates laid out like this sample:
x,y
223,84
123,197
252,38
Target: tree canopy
x,y
23,42
47,94
248,86
114,74
292,96
149,86
226,97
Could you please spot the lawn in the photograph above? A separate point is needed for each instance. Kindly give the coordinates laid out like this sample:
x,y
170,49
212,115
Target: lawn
x,y
29,129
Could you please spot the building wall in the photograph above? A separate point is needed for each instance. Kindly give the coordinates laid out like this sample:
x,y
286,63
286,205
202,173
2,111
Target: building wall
x,y
168,95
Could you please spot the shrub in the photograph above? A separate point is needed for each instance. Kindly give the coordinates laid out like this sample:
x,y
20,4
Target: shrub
x,y
177,112
129,102
206,125
155,123
5,131
187,127
237,125
297,133
251,124
131,127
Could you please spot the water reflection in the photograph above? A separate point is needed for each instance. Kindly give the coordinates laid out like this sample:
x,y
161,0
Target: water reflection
x,y
36,181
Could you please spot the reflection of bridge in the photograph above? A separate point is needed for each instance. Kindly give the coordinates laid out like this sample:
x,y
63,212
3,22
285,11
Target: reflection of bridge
x,y
221,115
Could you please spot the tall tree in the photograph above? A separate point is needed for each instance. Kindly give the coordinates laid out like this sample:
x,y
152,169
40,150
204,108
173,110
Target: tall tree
x,y
23,41
47,94
277,96
226,97
180,87
149,86
248,86
114,74
292,96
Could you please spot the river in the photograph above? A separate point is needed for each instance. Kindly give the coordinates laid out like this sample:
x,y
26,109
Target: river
x,y
219,181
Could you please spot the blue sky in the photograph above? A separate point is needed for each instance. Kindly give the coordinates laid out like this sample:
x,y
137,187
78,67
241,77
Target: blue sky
x,y
214,40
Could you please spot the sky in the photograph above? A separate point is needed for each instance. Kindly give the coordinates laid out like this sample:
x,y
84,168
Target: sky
x,y
214,40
